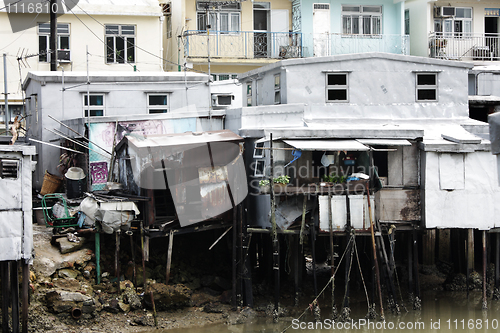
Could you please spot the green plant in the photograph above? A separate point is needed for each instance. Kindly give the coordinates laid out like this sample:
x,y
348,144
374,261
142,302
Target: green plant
x,y
334,179
282,180
277,180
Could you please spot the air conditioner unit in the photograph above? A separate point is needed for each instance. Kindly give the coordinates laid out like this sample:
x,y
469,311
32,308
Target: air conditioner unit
x,y
64,55
222,100
447,11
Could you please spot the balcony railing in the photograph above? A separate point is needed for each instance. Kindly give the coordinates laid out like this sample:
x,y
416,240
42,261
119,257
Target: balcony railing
x,y
464,46
278,45
243,44
317,45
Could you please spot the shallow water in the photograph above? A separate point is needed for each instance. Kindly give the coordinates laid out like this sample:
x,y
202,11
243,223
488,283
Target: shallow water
x,y
441,312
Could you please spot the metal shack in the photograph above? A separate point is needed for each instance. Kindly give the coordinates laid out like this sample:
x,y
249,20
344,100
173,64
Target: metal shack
x,y
189,177
16,231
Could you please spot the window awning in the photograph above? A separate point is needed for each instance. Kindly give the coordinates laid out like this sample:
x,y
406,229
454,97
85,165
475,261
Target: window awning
x,y
327,145
385,142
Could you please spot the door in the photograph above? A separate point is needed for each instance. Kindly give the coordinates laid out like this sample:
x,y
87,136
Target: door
x,y
491,35
321,29
279,32
260,27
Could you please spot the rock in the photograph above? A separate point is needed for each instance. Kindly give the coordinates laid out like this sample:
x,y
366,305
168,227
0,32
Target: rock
x,y
199,299
112,306
226,297
67,284
126,284
61,306
130,297
144,321
67,273
124,307
65,296
44,266
168,297
215,283
213,308
65,246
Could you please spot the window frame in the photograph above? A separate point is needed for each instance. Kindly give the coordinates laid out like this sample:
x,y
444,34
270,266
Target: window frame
x,y
337,87
447,25
419,87
277,88
156,108
256,168
115,36
348,17
94,107
231,12
45,56
259,146
249,93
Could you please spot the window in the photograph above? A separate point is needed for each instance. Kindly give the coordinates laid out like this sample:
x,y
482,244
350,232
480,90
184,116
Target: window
x,y
120,44
44,37
426,87
361,20
222,17
96,105
336,87
277,89
157,103
258,151
9,168
453,21
259,168
223,77
407,21
249,94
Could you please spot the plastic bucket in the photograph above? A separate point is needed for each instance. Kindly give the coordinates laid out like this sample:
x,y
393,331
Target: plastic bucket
x,y
76,184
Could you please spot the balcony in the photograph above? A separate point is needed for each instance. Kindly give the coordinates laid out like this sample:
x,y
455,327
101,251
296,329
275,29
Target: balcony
x,y
464,46
243,44
279,45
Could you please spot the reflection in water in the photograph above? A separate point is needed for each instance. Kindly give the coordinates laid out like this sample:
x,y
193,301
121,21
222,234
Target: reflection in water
x,y
441,312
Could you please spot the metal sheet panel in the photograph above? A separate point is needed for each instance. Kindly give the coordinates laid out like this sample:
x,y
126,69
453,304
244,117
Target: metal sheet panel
x,y
398,205
327,145
11,233
360,218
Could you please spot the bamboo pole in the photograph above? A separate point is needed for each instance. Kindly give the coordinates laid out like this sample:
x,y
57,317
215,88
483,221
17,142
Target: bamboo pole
x,y
374,248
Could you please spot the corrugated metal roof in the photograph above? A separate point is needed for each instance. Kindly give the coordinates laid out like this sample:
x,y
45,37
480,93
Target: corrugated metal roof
x,y
384,142
188,138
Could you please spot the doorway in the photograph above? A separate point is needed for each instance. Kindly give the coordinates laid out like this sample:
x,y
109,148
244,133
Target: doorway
x,y
321,29
261,30
491,35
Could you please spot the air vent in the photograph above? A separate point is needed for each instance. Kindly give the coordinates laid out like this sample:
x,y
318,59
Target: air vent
x,y
325,6
9,168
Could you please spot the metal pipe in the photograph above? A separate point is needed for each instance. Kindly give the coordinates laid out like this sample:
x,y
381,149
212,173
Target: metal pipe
x,y
6,94
60,147
63,124
74,141
76,313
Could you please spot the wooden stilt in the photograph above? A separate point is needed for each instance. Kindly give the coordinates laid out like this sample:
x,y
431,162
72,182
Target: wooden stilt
x,y
143,254
241,266
417,303
132,249
497,261
429,247
374,249
25,301
313,248
5,295
410,268
14,285
296,265
470,251
234,264
332,257
485,302
169,254
117,255
98,256
348,250
275,238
